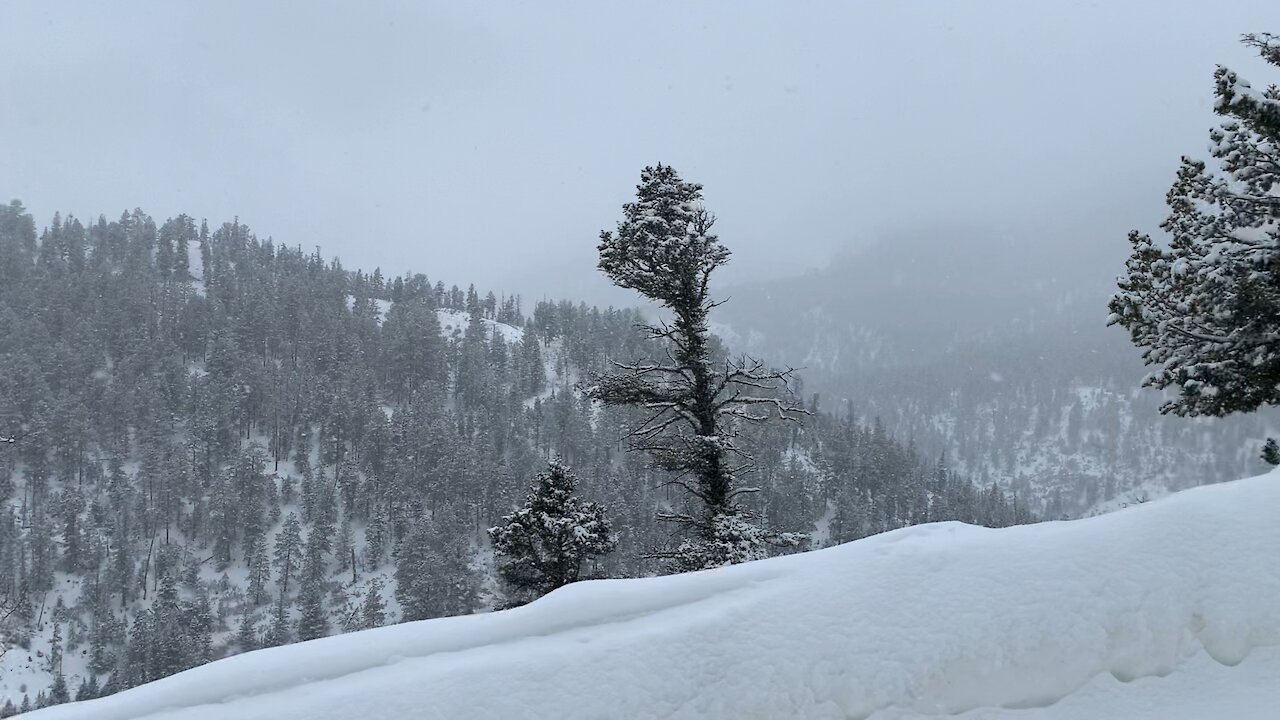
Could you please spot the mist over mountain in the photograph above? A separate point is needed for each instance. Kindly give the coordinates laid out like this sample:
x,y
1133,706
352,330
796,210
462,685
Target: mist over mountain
x,y
992,348
925,294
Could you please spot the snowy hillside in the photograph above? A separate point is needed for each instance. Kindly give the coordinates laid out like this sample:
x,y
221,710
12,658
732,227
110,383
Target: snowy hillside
x,y
1164,610
1001,361
452,321
288,450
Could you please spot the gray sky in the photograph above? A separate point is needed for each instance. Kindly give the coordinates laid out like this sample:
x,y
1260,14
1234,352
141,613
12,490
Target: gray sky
x,y
490,142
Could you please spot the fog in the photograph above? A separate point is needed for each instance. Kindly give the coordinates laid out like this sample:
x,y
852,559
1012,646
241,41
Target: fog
x,y
490,143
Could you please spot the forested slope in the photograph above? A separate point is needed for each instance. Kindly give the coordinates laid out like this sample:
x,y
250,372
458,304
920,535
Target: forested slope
x,y
221,443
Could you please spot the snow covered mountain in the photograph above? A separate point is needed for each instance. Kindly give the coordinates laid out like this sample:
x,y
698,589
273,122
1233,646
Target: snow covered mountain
x,y
1165,610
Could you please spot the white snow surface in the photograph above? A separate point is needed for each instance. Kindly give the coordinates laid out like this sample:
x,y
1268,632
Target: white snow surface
x,y
1168,610
457,320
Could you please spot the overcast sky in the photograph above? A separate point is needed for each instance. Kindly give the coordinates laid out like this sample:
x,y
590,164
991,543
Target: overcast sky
x,y
490,142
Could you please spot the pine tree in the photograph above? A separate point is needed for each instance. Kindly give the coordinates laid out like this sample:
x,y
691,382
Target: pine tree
x,y
543,545
375,537
433,574
664,249
278,634
88,689
1207,308
110,687
373,613
259,574
58,692
534,376
312,621
55,649
344,551
206,253
166,633
165,248
197,623
182,249
1271,452
133,666
101,659
246,634
288,551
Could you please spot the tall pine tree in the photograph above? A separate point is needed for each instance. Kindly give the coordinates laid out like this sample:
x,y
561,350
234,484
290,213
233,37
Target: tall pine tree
x,y
694,404
1206,309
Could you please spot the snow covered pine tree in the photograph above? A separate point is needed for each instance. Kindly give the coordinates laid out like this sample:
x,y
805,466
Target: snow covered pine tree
x,y
664,249
1207,308
542,545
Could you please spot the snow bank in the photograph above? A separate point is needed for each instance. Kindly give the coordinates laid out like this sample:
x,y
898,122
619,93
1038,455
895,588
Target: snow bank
x,y
1166,610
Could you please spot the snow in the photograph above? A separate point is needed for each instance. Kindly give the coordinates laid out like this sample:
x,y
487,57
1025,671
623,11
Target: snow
x,y
821,535
452,321
382,306
1163,610
25,670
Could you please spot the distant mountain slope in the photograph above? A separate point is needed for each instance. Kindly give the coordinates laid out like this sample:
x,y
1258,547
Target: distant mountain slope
x,y
995,352
924,294
1161,612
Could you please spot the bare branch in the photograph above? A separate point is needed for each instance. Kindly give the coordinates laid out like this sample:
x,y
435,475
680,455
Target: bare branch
x,y
11,600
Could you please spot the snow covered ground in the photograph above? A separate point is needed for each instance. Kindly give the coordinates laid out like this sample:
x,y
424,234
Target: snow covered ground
x,y
1168,610
451,321
457,320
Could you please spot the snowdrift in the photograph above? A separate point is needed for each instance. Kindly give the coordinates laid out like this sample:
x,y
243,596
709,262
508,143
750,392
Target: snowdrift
x,y
1165,610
